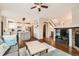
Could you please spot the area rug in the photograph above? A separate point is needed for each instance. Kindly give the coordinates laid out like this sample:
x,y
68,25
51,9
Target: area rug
x,y
52,51
56,52
13,51
12,54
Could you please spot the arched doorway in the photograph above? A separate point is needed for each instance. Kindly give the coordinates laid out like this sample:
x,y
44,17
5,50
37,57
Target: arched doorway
x,y
44,31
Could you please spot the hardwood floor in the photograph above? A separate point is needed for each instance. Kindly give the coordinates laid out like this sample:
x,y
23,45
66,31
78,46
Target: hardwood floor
x,y
63,47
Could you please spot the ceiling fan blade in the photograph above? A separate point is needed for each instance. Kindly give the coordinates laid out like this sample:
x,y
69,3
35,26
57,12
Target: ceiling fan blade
x,y
43,6
33,7
39,9
36,3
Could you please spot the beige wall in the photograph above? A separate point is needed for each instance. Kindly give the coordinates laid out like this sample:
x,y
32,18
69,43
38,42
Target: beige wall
x,y
75,16
0,26
67,19
0,23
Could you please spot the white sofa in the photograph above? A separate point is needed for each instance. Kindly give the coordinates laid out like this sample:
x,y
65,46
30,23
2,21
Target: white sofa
x,y
3,48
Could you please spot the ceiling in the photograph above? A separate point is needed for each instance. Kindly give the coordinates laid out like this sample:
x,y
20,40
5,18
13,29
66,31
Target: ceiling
x,y
19,10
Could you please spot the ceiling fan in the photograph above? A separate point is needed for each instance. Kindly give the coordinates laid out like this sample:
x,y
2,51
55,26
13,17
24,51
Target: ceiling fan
x,y
39,6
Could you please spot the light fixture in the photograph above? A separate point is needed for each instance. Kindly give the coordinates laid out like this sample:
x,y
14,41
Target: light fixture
x,y
39,6
23,18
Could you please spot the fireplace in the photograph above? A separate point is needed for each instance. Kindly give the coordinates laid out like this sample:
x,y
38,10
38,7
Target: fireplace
x,y
62,36
77,40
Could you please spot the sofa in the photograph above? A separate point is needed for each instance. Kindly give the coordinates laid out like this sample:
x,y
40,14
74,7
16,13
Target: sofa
x,y
7,42
3,47
10,39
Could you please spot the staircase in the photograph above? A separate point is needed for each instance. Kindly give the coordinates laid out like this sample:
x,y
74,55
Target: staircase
x,y
51,23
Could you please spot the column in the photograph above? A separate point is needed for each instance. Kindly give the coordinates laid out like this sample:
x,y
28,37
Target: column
x,y
36,26
70,37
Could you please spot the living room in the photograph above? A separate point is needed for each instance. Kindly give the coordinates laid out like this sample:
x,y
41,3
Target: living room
x,y
25,27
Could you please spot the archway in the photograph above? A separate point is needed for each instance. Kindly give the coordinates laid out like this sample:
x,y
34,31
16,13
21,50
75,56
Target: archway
x,y
44,31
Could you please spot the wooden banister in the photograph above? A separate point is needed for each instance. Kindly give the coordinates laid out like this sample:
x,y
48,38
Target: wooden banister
x,y
52,22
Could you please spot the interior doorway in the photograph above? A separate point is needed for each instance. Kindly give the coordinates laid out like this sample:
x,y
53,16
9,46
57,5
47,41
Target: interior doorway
x,y
52,34
44,31
1,28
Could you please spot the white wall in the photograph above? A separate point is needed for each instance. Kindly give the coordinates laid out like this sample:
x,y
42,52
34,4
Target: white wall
x,y
38,32
42,22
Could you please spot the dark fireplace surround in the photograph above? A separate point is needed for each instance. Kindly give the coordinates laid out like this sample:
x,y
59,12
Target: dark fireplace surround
x,y
77,40
62,36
